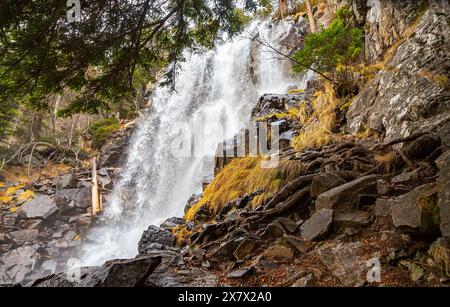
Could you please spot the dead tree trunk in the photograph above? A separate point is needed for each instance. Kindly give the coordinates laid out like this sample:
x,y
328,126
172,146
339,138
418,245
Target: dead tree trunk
x,y
96,197
312,22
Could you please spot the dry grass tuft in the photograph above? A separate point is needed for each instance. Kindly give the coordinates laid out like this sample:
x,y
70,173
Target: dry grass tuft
x,y
317,130
244,176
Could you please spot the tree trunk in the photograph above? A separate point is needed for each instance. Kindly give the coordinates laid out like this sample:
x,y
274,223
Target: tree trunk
x,y
282,9
96,198
312,22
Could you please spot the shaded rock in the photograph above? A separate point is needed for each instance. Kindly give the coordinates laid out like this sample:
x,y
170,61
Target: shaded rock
x,y
346,196
406,177
318,225
114,273
21,237
444,134
224,250
289,225
279,252
325,182
444,193
352,219
155,235
416,209
297,243
192,201
172,222
41,206
273,230
241,273
382,212
244,249
73,198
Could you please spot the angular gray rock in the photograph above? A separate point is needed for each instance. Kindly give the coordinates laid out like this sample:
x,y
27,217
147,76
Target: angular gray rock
x,y
318,225
346,196
351,219
244,249
23,236
155,235
415,209
41,206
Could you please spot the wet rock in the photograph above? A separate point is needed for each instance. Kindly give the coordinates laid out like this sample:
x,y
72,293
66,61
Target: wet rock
x,y
115,273
19,262
352,219
279,252
444,193
172,222
244,249
346,196
325,182
41,206
318,225
68,199
21,237
65,181
155,235
416,209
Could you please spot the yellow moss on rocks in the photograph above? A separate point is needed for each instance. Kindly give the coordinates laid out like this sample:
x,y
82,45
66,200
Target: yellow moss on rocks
x,y
317,129
244,176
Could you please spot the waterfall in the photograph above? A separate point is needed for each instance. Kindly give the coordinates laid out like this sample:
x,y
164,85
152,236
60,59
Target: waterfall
x,y
219,87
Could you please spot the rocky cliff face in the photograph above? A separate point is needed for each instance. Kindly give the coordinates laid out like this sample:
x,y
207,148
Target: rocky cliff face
x,y
411,93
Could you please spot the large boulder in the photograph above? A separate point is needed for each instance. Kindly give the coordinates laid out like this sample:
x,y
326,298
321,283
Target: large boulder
x,y
346,196
114,273
416,209
318,225
160,236
41,206
67,199
412,94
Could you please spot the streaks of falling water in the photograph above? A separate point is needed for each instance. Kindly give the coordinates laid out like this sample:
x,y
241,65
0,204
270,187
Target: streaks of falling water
x,y
218,87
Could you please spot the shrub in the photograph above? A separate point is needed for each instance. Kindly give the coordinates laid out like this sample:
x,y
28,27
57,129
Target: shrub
x,y
331,50
101,130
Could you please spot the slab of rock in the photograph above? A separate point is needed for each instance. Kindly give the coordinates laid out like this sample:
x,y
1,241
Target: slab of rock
x,y
23,236
18,263
241,273
444,193
325,182
352,219
155,235
114,273
416,209
346,196
41,206
73,198
318,225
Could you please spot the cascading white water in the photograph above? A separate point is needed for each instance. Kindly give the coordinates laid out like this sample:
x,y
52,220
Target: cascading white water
x,y
219,87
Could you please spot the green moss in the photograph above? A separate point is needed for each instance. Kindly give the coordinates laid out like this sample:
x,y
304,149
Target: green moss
x,y
101,130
